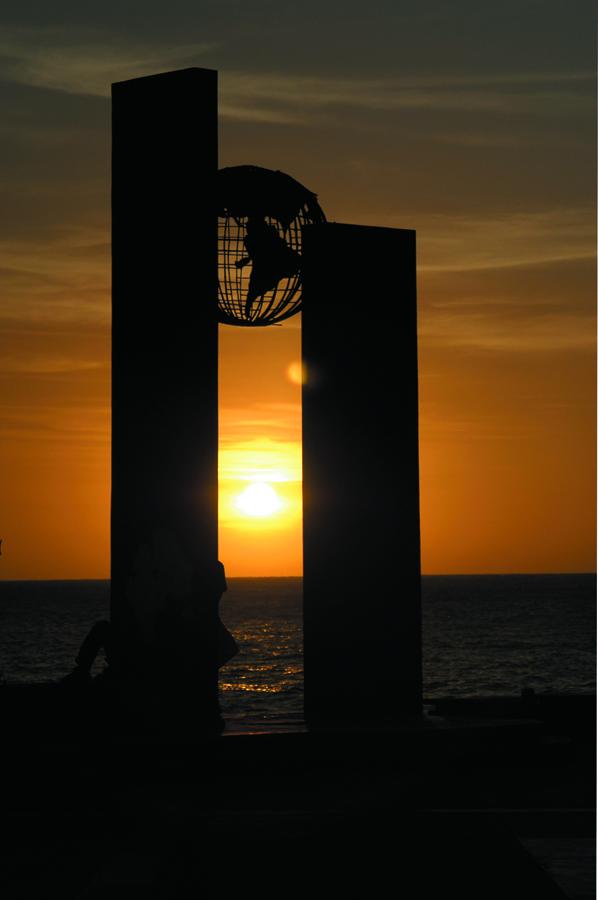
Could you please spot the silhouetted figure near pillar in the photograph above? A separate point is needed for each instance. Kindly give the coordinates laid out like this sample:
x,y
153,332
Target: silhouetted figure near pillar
x,y
208,645
192,644
98,638
227,647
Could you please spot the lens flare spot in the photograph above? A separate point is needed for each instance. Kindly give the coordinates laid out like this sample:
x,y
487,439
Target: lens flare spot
x,y
259,499
297,372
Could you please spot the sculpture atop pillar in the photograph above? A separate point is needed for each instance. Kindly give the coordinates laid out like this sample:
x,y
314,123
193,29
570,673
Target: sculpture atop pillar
x,y
261,215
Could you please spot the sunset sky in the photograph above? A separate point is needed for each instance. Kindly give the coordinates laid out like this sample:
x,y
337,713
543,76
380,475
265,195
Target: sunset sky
x,y
471,122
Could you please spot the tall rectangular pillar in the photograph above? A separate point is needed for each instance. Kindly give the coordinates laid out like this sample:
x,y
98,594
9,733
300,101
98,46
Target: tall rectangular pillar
x,y
164,527
362,618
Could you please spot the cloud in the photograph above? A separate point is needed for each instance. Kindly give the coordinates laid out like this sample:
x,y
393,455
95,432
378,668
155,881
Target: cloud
x,y
61,276
79,427
52,364
272,460
457,243
515,94
490,330
546,307
86,61
272,421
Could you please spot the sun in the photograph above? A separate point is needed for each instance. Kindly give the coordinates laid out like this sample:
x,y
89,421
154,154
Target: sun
x,y
259,499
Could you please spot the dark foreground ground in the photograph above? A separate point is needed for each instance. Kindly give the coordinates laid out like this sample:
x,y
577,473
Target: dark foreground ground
x,y
484,799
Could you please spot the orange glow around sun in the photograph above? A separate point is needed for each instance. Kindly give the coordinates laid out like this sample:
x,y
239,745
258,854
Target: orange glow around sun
x,y
260,485
260,507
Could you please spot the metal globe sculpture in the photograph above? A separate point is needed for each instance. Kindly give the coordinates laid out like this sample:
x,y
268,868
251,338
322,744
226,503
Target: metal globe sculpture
x,y
261,214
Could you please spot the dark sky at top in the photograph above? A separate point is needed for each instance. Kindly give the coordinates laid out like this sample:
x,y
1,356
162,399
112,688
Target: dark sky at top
x,y
348,38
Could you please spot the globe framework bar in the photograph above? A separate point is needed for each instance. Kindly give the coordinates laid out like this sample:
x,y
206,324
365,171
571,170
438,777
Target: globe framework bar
x,y
362,611
164,527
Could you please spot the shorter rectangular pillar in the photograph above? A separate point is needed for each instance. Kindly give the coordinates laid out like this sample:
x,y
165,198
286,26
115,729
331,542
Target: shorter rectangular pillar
x,y
362,616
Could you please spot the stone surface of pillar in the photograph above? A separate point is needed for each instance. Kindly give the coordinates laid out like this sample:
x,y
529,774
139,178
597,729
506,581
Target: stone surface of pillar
x,y
362,618
164,527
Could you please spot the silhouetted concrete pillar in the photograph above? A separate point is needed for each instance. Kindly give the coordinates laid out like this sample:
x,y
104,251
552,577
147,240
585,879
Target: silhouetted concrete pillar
x,y
164,374
362,618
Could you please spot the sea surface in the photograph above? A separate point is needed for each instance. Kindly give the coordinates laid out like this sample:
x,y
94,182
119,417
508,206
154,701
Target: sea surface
x,y
482,635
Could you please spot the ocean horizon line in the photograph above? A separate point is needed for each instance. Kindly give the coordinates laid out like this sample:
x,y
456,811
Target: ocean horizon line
x,y
299,577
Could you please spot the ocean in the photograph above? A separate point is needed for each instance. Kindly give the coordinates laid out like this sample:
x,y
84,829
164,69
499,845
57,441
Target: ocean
x,y
483,635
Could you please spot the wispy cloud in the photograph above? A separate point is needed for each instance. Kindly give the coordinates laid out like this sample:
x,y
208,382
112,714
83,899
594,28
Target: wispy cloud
x,y
521,283
52,364
62,276
260,457
57,418
491,330
516,94
272,421
86,61
453,243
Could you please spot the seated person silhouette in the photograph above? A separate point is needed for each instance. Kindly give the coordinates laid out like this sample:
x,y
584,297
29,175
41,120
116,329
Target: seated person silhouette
x,y
226,646
100,637
271,258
